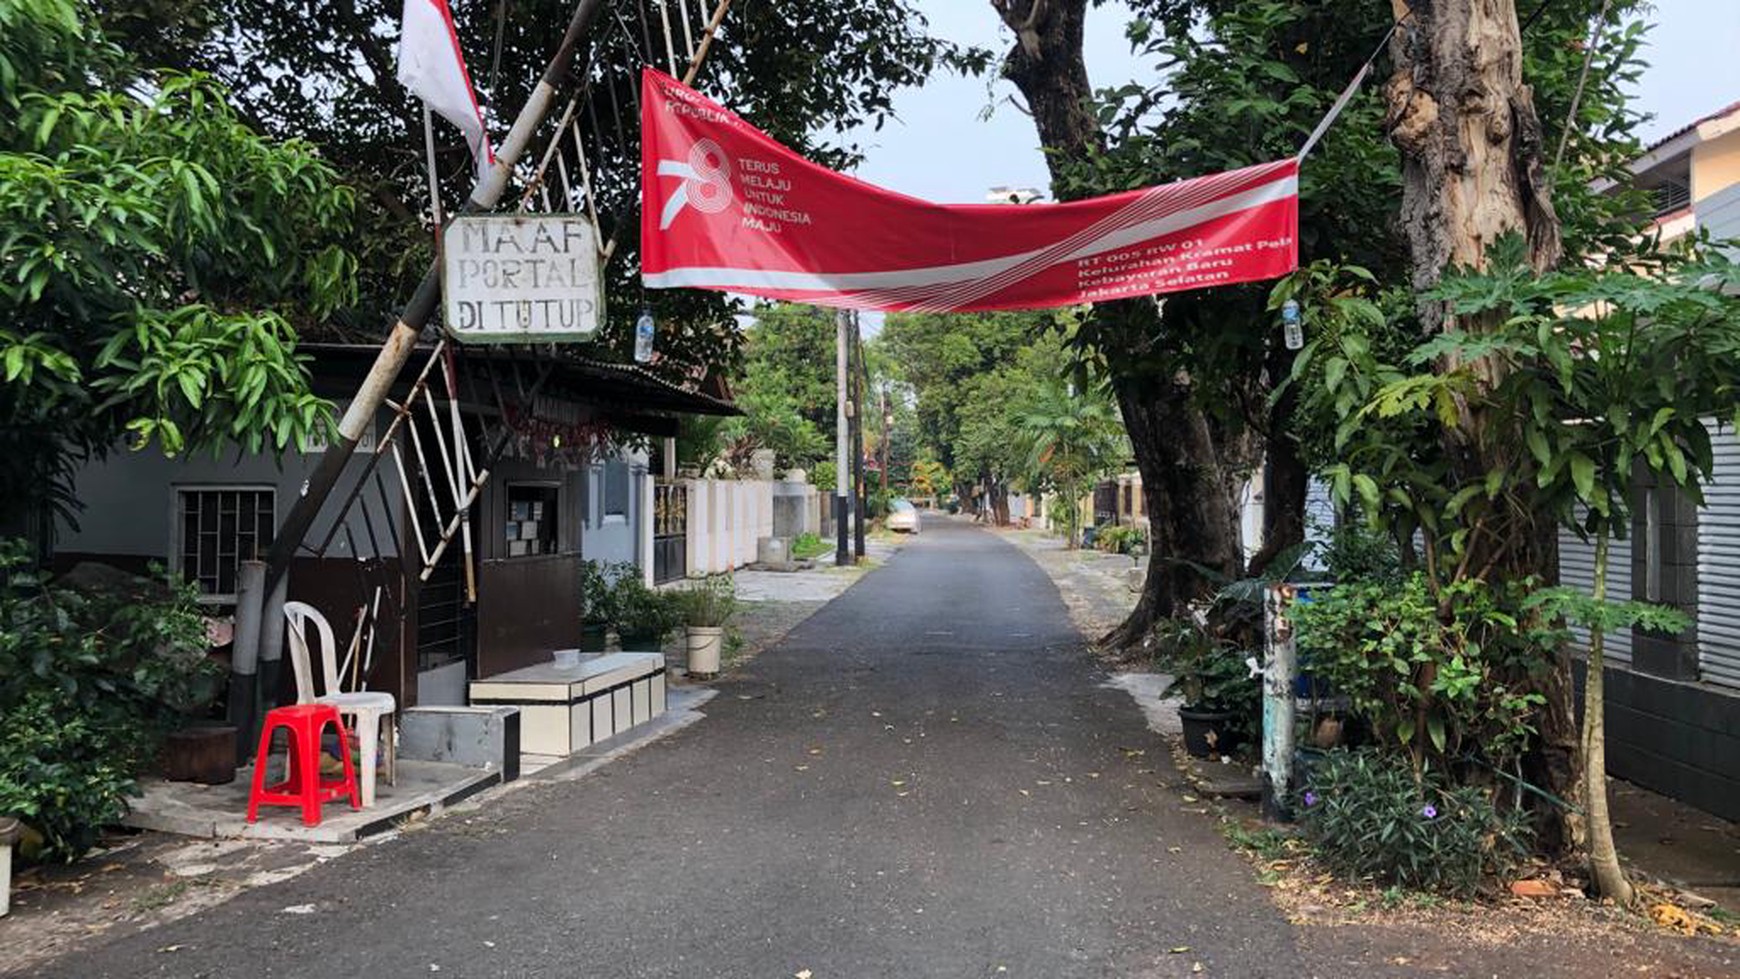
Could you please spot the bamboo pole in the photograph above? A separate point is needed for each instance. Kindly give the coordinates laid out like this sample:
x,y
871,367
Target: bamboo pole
x,y
403,338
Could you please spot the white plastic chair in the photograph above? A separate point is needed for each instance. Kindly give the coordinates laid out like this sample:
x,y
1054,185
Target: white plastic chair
x,y
365,708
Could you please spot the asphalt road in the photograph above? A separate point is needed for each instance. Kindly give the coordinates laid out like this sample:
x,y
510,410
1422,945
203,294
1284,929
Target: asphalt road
x,y
924,779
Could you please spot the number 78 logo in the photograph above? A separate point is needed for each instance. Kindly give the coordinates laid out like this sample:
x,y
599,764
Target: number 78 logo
x,y
706,182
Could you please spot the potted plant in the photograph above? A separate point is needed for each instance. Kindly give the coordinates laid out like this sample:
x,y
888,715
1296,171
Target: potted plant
x,y
597,606
643,616
704,609
1220,696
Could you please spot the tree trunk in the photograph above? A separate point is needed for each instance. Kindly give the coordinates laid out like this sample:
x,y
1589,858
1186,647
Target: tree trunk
x,y
1604,865
1472,172
1285,480
1192,525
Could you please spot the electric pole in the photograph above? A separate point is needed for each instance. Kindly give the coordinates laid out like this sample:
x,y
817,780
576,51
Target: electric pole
x,y
860,490
842,464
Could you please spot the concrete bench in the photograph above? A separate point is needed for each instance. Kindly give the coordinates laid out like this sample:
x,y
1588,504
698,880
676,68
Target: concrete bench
x,y
563,710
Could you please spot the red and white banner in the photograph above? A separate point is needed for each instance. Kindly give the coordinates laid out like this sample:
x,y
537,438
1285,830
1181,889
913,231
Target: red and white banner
x,y
725,207
432,67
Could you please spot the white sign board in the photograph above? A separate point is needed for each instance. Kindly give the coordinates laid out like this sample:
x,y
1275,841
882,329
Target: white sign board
x,y
521,278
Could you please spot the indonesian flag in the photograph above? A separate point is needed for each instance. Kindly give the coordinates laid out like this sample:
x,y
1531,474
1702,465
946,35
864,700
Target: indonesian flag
x,y
725,207
432,67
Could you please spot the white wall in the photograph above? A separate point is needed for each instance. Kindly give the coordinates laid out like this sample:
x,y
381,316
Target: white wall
x,y
726,518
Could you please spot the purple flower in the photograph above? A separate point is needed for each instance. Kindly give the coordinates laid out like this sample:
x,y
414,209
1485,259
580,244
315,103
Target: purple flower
x,y
1430,812
1310,799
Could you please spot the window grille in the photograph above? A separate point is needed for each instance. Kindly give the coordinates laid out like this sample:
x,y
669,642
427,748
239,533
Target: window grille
x,y
1670,197
216,529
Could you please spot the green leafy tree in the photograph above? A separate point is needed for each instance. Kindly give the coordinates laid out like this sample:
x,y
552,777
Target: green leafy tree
x,y
1069,438
814,75
158,254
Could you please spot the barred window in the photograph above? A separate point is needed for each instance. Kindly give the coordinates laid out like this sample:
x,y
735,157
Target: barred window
x,y
616,489
218,527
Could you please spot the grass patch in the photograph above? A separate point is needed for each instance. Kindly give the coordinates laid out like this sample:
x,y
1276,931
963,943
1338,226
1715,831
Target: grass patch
x,y
805,546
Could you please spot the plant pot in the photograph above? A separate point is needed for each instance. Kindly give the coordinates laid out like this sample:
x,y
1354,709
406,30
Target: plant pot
x,y
641,642
704,642
593,636
206,755
1208,733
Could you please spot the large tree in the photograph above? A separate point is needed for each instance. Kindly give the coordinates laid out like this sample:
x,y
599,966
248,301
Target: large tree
x,y
1239,84
158,253
811,74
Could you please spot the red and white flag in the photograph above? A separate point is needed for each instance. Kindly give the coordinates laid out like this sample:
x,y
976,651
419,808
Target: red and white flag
x,y
432,67
725,207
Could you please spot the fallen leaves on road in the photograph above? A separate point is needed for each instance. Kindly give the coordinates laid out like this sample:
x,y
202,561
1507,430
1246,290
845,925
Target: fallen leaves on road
x,y
1676,918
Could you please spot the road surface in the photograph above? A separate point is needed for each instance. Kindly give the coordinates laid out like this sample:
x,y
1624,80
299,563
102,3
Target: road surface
x,y
923,779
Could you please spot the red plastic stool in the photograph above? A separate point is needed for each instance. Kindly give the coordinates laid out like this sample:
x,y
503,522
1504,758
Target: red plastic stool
x,y
303,787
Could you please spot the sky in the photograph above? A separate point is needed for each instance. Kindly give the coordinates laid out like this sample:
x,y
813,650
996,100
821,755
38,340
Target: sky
x,y
941,149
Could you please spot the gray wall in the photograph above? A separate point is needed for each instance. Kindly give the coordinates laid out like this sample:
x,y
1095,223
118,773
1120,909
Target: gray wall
x,y
129,497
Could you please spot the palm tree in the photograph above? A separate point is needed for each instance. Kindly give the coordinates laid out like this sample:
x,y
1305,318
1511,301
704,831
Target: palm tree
x,y
1070,438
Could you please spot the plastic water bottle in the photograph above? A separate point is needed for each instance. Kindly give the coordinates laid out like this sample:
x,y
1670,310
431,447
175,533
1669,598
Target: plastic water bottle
x,y
643,337
1291,331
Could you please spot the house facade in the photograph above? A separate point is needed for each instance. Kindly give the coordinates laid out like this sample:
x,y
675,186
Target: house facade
x,y
441,599
1673,702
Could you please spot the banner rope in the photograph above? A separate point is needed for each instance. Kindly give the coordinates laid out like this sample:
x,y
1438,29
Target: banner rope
x,y
1347,93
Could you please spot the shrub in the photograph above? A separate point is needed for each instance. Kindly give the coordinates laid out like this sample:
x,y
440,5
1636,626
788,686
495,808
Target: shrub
x,y
641,611
1209,674
1369,817
1119,539
808,545
90,681
1445,678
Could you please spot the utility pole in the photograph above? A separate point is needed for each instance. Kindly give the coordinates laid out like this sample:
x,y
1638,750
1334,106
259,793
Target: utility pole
x,y
842,465
860,490
887,424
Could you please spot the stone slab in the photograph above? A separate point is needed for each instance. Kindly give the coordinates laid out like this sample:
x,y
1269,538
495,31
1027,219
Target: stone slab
x,y
219,811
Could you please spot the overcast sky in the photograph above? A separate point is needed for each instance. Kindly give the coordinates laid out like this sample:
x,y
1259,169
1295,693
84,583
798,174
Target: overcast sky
x,y
941,150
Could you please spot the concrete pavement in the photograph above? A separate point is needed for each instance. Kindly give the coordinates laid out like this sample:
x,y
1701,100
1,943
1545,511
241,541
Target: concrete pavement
x,y
925,778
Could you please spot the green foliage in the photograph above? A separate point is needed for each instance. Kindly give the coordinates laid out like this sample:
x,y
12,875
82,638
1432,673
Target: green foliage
x,y
1070,438
807,545
157,252
1608,615
1356,552
824,475
1597,371
1119,540
1207,672
812,75
89,682
708,603
598,591
642,611
1370,816
1436,687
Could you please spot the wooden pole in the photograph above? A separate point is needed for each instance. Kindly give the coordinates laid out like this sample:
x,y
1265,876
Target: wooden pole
x,y
403,338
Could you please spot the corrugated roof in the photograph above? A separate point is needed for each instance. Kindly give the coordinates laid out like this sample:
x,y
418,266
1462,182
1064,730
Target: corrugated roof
x,y
619,387
1688,127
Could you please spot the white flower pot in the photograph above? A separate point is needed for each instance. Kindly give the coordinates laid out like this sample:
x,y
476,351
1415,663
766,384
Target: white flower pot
x,y
704,642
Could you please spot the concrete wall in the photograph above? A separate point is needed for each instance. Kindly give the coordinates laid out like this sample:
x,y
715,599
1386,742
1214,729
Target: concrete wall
x,y
726,518
129,498
613,538
1715,163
